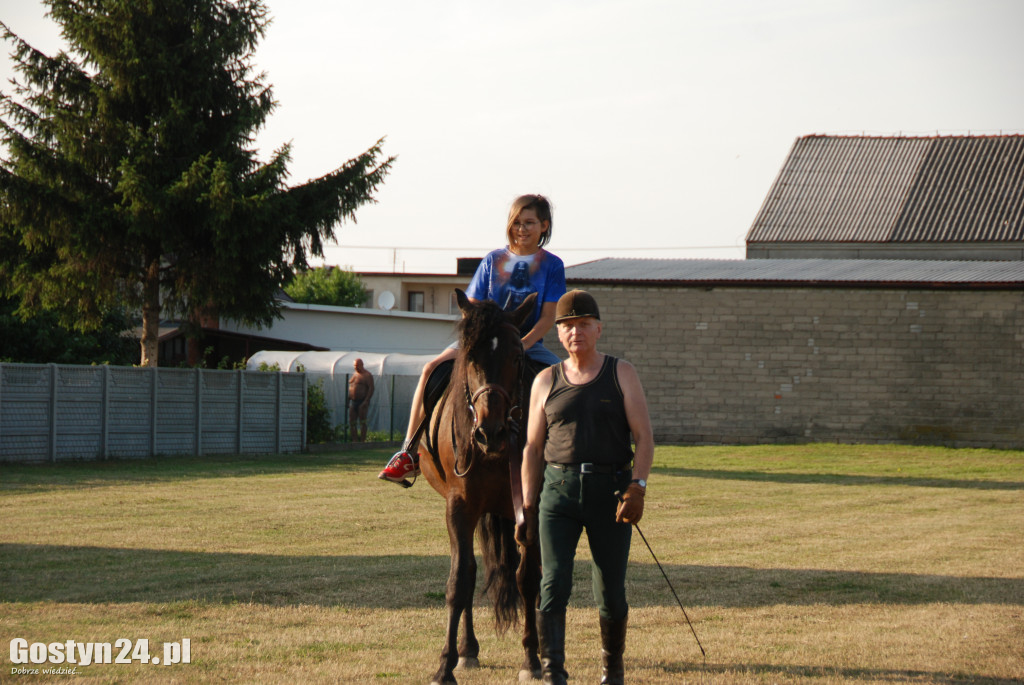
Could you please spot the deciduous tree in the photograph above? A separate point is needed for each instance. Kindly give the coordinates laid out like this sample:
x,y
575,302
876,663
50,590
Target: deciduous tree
x,y
327,285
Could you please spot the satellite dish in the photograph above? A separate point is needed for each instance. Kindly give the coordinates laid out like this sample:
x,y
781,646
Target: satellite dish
x,y
386,300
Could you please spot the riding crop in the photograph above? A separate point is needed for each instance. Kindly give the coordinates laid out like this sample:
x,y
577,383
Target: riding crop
x,y
688,622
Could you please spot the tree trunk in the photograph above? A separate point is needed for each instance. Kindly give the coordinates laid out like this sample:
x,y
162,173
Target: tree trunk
x,y
202,318
151,313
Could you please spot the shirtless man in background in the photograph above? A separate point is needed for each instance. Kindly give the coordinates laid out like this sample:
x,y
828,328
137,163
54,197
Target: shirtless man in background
x,y
360,390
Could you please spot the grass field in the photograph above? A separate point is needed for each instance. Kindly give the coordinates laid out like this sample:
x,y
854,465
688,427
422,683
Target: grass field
x,y
797,564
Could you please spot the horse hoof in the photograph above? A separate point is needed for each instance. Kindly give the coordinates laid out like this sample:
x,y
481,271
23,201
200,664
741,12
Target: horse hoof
x,y
468,662
528,676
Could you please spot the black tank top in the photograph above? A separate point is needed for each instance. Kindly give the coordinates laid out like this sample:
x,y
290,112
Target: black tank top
x,y
587,423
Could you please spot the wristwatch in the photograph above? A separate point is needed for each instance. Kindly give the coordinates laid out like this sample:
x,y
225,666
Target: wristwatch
x,y
641,482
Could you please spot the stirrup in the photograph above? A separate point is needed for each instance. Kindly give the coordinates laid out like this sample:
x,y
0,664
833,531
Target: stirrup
x,y
415,472
402,455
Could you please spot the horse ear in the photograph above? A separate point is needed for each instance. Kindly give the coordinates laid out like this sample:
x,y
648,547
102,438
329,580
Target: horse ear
x,y
524,310
464,304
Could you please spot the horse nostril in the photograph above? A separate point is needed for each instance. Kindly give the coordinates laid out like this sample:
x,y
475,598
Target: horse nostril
x,y
480,436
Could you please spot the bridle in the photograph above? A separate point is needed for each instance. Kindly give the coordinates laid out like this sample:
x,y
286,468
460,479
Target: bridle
x,y
514,414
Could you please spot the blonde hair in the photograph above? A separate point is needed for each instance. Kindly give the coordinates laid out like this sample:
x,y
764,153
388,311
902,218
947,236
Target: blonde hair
x,y
538,203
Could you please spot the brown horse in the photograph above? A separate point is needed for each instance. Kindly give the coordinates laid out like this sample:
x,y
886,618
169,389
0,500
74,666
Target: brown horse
x,y
471,447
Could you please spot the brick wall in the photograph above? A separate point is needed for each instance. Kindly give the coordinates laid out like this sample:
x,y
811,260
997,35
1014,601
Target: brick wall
x,y
758,365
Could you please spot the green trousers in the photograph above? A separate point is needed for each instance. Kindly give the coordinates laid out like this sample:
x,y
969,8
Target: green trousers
x,y
571,502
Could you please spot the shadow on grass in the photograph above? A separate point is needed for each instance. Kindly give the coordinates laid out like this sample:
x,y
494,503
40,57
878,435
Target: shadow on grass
x,y
853,675
54,573
45,476
841,479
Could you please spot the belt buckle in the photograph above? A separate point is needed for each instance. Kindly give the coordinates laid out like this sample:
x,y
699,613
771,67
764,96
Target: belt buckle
x,y
587,468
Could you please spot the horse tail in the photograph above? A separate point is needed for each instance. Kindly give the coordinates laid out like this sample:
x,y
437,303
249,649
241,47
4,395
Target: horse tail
x,y
501,559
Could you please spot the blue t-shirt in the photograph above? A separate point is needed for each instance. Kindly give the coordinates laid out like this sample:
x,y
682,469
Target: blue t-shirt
x,y
508,279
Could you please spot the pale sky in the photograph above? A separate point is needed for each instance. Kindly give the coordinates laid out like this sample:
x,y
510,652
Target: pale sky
x,y
656,127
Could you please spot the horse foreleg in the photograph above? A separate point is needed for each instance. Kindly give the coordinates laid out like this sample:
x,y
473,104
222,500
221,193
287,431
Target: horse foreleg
x,y
528,580
459,590
469,648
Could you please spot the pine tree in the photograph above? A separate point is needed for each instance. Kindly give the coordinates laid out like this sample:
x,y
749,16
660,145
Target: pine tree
x,y
131,178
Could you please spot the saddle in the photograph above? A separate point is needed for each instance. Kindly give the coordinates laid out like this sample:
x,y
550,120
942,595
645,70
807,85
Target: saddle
x,y
437,383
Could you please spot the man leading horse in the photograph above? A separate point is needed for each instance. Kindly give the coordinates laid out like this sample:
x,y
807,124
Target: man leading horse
x,y
580,473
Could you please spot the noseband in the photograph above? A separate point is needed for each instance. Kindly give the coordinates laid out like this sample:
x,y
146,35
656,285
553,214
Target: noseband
x,y
514,411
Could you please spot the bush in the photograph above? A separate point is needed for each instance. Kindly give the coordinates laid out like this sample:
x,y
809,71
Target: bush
x,y
318,417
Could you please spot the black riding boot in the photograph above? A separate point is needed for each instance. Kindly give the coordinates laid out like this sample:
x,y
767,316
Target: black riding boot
x,y
613,644
551,633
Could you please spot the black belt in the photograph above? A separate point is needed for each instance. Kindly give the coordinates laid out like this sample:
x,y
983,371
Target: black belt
x,y
591,468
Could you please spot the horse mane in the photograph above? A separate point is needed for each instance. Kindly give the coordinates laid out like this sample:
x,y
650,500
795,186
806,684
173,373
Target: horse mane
x,y
478,326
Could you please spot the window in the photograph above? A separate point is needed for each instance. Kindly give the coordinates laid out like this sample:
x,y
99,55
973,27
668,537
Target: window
x,y
416,301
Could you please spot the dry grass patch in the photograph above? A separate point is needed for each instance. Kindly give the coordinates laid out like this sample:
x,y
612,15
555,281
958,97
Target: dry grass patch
x,y
798,564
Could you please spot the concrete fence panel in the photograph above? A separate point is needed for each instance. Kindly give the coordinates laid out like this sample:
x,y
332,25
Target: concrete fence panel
x,y
51,412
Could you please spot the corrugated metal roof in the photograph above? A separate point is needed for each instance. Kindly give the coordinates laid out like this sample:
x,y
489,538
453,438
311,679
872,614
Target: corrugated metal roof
x,y
800,271
968,189
860,189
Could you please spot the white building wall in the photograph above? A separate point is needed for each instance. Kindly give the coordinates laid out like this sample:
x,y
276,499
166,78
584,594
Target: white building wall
x,y
354,328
